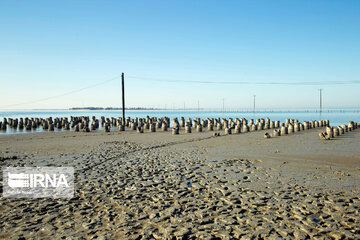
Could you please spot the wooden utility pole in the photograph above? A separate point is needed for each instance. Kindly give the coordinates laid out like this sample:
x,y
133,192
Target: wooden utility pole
x,y
123,98
254,103
320,100
223,100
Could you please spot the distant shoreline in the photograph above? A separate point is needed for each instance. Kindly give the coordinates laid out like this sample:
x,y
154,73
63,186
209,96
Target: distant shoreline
x,y
259,110
111,108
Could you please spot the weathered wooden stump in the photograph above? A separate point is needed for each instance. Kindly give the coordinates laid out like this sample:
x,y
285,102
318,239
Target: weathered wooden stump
x,y
106,128
324,136
164,127
140,130
290,128
341,130
175,131
245,129
283,130
330,132
327,123
153,127
227,131
296,127
237,129
176,124
351,125
287,122
345,127
276,133
187,129
182,122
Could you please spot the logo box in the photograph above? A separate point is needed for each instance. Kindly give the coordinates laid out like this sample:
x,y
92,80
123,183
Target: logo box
x,y
38,182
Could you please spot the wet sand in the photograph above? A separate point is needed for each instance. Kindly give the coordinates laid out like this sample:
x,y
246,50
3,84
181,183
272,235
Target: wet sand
x,y
189,186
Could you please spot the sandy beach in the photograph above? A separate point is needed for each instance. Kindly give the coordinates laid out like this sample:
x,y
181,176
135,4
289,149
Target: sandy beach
x,y
189,186
177,120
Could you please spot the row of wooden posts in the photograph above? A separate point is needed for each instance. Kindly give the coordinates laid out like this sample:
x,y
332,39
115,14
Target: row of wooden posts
x,y
293,126
151,124
332,132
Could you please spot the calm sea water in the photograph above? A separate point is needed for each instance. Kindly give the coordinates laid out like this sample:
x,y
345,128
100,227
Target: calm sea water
x,y
336,117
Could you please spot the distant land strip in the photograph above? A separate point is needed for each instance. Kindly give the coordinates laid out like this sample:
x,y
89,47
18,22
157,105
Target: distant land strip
x,y
111,108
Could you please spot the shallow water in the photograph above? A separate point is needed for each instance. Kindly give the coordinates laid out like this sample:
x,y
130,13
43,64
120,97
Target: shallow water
x,y
336,117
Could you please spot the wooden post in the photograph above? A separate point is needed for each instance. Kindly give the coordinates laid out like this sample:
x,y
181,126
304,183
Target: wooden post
x,y
320,100
123,98
223,100
254,104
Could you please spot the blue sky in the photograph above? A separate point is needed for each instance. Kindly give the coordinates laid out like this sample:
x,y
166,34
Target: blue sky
x,y
52,47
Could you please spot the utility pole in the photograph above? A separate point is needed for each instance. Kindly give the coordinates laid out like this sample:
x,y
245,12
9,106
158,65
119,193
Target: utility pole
x,y
320,100
254,104
223,105
123,98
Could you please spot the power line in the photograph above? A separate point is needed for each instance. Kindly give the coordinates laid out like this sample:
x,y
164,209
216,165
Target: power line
x,y
187,81
63,94
247,82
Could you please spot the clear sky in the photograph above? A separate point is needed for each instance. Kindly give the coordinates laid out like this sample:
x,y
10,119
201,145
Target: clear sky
x,y
48,48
